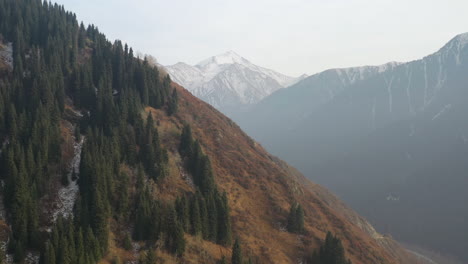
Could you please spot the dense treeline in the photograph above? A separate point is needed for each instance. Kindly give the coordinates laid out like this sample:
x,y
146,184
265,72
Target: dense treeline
x,y
330,252
56,59
70,245
155,220
209,207
197,162
296,219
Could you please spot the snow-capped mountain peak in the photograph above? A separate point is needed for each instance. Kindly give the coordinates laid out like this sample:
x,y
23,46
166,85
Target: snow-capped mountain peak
x,y
229,81
463,38
229,57
458,43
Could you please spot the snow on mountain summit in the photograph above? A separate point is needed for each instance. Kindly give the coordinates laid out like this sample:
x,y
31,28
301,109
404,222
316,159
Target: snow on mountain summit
x,y
229,57
456,44
228,80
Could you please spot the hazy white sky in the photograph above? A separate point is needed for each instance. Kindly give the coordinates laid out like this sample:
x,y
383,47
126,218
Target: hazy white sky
x,y
290,36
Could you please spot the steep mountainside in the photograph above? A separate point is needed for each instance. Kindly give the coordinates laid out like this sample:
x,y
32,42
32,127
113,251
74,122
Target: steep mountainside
x,y
261,189
104,159
377,139
228,81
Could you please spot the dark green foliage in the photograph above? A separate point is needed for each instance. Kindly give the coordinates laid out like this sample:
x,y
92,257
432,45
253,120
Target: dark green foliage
x,y
116,260
175,241
186,141
154,219
2,257
127,243
224,220
154,157
222,260
77,133
296,219
173,103
197,162
195,218
183,212
49,256
148,219
209,212
206,216
236,253
55,58
150,257
122,201
331,252
70,245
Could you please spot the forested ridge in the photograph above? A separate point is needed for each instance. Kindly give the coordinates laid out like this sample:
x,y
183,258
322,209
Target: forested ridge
x,y
66,73
58,60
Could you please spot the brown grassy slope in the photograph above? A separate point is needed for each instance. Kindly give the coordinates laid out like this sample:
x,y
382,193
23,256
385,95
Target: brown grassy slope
x,y
261,189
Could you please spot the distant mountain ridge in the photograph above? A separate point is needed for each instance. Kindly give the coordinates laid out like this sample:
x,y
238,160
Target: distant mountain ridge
x,y
229,81
369,133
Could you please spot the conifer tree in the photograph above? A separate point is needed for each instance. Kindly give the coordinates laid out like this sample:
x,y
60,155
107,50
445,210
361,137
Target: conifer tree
x,y
236,253
299,219
183,212
222,260
331,252
150,257
49,257
224,220
186,141
195,218
173,103
179,240
127,243
296,219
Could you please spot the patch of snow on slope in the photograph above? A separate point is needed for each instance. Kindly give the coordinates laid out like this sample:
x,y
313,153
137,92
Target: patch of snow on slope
x,y
67,195
32,258
186,177
455,46
462,40
6,54
408,94
387,66
390,96
4,144
3,248
422,257
353,74
445,108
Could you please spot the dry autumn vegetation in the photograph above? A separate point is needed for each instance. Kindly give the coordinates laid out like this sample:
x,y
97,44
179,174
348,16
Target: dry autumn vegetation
x,y
261,189
98,138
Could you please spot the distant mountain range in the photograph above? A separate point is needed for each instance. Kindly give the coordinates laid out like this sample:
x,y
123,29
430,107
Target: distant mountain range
x,y
391,140
229,81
